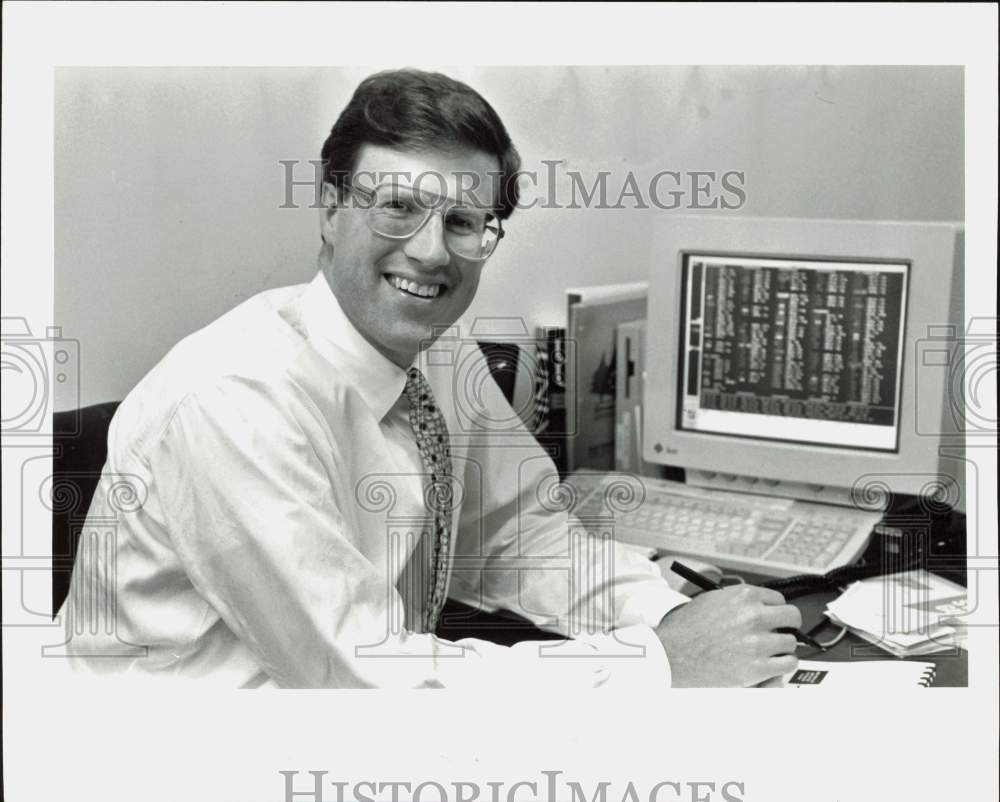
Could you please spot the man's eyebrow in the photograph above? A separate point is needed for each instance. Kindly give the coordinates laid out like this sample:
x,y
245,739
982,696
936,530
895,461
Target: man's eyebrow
x,y
373,179
437,199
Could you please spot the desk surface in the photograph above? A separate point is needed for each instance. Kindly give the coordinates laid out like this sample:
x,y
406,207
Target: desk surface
x,y
951,668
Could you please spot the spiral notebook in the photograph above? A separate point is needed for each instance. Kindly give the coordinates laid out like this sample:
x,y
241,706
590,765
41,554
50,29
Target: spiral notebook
x,y
860,674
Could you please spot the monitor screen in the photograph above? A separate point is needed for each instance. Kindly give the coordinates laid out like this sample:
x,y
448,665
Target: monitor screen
x,y
799,350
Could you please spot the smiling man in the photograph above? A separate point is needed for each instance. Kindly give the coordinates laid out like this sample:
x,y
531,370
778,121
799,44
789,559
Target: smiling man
x,y
309,496
408,260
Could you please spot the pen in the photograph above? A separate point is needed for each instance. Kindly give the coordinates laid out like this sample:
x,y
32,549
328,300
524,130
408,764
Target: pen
x,y
705,583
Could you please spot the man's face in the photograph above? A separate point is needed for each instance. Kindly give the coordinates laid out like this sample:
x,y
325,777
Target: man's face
x,y
365,265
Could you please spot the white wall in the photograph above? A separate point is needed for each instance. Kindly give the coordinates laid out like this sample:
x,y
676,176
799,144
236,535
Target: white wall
x,y
168,181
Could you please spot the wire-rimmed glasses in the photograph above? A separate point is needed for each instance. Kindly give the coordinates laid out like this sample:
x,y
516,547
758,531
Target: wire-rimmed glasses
x,y
399,211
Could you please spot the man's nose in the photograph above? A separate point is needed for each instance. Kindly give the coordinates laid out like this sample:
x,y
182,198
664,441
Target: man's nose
x,y
427,245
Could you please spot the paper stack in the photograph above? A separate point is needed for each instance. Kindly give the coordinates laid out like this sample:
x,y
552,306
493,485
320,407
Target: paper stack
x,y
907,614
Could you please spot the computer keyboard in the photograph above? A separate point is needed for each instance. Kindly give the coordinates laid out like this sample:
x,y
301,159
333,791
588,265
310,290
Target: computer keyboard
x,y
762,535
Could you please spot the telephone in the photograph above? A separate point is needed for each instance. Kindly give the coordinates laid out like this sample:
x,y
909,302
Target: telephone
x,y
934,541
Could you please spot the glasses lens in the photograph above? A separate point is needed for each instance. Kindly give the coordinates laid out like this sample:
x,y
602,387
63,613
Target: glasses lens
x,y
396,211
472,233
399,212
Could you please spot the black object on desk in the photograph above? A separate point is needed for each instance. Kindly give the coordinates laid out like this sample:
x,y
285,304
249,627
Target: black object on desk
x,y
459,621
914,533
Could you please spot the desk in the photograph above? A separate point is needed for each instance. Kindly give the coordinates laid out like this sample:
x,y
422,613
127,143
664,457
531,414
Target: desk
x,y
460,621
952,667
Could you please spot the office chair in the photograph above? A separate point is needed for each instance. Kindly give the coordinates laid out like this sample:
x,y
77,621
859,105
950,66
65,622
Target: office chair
x,y
80,440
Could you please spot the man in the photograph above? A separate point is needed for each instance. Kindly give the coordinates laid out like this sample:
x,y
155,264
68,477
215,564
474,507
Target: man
x,y
310,494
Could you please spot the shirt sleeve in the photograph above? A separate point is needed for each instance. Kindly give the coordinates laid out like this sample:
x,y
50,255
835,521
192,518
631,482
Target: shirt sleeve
x,y
520,550
251,515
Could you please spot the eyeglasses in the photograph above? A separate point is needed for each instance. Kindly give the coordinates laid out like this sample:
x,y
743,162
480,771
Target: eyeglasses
x,y
398,211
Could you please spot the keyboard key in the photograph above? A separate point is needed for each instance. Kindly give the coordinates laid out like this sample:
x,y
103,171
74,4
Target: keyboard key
x,y
737,531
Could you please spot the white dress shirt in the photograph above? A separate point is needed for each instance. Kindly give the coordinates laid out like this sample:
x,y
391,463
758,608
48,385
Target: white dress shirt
x,y
258,483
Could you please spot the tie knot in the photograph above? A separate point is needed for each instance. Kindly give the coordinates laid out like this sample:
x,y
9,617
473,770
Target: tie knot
x,y
414,377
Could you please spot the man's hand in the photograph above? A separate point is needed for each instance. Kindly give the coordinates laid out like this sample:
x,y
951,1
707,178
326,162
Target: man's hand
x,y
726,638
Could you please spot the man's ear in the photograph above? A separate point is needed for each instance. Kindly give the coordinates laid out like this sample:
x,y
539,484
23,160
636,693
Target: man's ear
x,y
331,202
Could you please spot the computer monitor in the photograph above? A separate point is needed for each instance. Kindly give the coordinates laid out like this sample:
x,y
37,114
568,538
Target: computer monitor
x,y
789,357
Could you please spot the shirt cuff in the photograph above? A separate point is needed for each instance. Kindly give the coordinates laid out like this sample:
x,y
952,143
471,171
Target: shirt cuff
x,y
634,657
649,602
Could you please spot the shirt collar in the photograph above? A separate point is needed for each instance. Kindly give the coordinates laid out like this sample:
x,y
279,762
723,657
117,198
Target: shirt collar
x,y
379,381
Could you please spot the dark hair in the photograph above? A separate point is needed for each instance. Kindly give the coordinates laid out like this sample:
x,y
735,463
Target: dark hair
x,y
417,110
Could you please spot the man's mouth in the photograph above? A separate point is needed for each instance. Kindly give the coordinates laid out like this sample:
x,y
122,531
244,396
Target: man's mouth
x,y
413,288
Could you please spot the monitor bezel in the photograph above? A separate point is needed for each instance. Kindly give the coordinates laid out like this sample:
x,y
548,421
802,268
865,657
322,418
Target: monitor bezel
x,y
933,276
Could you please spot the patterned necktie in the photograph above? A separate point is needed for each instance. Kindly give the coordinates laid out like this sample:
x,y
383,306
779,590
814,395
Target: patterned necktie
x,y
431,432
